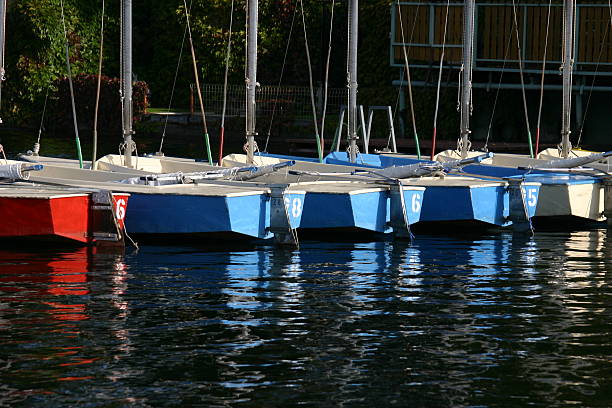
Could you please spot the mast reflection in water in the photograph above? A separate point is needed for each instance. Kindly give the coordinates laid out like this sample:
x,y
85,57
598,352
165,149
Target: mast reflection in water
x,y
489,321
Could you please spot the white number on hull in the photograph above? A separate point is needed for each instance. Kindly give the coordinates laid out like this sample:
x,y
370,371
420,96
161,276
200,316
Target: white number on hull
x,y
416,203
294,206
120,209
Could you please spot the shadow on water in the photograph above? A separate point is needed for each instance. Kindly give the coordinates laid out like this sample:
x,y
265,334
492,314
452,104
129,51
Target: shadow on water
x,y
493,320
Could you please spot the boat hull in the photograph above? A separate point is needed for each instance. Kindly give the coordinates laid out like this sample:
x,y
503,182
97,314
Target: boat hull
x,y
69,217
561,194
246,214
453,199
367,209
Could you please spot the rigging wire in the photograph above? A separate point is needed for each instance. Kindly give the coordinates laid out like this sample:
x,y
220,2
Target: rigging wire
x,y
326,82
435,122
178,65
520,61
227,60
601,49
95,124
537,146
312,98
197,80
396,108
400,87
74,116
36,148
501,77
274,106
407,70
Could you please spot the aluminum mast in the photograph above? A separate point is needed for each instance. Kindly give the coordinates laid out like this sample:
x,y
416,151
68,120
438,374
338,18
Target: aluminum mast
x,y
352,79
2,42
126,81
251,78
567,67
466,77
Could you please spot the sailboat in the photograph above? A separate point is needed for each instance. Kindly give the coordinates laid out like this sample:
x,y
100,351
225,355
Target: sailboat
x,y
57,214
578,195
171,197
452,199
60,214
194,204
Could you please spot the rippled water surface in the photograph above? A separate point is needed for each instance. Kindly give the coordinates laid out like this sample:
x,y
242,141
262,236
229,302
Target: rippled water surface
x,y
496,321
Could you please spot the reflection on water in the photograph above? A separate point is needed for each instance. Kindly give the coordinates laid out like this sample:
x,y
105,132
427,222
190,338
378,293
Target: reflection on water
x,y
491,321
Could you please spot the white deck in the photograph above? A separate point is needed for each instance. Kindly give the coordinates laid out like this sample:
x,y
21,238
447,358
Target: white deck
x,y
26,190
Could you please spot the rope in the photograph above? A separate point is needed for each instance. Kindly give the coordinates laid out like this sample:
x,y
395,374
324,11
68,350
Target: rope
x,y
312,98
435,122
399,90
348,150
227,58
520,59
460,83
601,49
15,171
197,80
396,108
3,154
74,116
280,80
125,233
326,83
255,147
123,146
405,54
537,148
36,148
293,231
460,146
95,124
416,14
501,77
178,65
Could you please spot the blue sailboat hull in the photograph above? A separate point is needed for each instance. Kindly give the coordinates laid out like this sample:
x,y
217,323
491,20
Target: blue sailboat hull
x,y
369,210
489,204
247,215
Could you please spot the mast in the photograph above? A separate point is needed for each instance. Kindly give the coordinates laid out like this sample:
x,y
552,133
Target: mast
x,y
352,79
251,77
2,42
126,81
466,76
567,67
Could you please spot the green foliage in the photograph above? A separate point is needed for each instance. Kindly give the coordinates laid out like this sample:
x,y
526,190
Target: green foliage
x,y
36,48
36,53
109,115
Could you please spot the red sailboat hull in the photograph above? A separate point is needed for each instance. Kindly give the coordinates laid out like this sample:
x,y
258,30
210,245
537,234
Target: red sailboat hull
x,y
68,216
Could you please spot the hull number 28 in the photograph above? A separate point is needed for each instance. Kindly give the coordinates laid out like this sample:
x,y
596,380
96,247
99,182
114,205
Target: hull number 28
x,y
294,206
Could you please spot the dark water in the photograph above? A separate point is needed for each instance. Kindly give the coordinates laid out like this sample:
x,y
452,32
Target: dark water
x,y
494,321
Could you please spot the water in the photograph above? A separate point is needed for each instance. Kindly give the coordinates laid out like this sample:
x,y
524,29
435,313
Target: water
x,y
494,321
